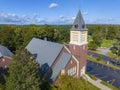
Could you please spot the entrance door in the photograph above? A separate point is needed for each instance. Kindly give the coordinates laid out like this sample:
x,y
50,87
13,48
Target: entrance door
x,y
82,70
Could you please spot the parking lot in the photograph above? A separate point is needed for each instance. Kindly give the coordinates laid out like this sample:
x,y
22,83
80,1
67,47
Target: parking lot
x,y
105,58
104,73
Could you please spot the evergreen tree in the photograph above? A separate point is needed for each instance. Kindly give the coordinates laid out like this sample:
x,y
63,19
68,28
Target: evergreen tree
x,y
24,73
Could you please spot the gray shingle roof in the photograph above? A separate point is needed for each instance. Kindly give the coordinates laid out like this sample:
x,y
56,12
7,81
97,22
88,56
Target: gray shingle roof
x,y
44,51
5,51
1,54
60,65
79,23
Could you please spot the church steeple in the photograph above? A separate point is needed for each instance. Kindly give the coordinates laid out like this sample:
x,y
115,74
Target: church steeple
x,y
78,42
78,33
79,23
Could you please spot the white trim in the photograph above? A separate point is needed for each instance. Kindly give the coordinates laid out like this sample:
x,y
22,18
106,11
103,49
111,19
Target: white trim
x,y
78,44
67,49
74,59
70,53
77,69
77,65
82,71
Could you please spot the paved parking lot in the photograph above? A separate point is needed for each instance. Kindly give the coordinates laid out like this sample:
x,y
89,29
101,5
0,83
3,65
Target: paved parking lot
x,y
105,58
105,73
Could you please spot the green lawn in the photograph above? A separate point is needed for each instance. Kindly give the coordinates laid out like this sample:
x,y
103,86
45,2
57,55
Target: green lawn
x,y
110,54
107,43
70,83
92,77
110,86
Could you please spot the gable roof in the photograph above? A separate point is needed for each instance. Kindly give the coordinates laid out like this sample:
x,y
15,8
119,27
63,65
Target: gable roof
x,y
79,24
5,51
1,54
44,51
60,65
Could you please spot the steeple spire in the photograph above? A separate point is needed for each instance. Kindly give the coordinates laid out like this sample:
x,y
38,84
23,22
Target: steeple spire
x,y
79,24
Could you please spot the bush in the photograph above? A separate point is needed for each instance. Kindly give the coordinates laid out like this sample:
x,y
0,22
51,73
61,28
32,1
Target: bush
x,y
99,57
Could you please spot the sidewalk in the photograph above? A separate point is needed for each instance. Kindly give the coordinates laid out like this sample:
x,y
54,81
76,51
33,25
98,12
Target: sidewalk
x,y
96,83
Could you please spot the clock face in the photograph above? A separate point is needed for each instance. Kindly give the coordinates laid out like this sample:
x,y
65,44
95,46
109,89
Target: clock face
x,y
76,25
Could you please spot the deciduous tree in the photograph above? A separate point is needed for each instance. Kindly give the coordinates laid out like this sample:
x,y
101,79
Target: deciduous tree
x,y
24,73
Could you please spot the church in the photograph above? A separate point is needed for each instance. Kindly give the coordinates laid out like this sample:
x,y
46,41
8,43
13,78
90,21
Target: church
x,y
58,59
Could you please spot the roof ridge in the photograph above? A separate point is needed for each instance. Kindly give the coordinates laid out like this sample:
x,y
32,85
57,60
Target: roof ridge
x,y
48,41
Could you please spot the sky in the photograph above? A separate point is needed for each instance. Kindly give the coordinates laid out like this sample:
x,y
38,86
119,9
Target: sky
x,y
59,11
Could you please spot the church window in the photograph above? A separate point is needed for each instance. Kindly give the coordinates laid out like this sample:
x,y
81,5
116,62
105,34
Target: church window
x,y
76,25
75,37
83,37
72,71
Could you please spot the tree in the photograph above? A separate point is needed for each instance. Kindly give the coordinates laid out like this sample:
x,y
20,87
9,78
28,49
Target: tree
x,y
24,73
92,45
7,37
116,48
113,32
99,57
97,39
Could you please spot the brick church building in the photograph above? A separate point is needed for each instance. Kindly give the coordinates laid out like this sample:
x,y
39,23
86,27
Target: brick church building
x,y
56,59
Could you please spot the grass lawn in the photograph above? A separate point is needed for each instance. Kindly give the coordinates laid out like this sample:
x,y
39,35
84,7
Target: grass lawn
x,y
110,54
110,86
70,83
93,77
107,43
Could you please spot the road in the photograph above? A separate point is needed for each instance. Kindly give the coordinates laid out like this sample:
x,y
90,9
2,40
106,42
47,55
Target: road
x,y
103,51
104,73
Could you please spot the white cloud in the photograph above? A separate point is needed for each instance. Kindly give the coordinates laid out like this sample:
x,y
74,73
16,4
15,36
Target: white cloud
x,y
62,16
53,5
85,13
102,21
12,18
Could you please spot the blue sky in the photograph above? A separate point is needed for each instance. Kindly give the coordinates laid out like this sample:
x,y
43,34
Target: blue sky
x,y
59,11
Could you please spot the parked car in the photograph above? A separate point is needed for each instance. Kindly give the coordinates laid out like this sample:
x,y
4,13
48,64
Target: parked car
x,y
89,68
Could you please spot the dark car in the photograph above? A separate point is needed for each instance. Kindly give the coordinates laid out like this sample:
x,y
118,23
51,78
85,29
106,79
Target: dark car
x,y
89,68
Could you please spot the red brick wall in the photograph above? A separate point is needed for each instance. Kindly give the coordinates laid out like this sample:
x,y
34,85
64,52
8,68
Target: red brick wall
x,y
81,53
4,61
70,65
